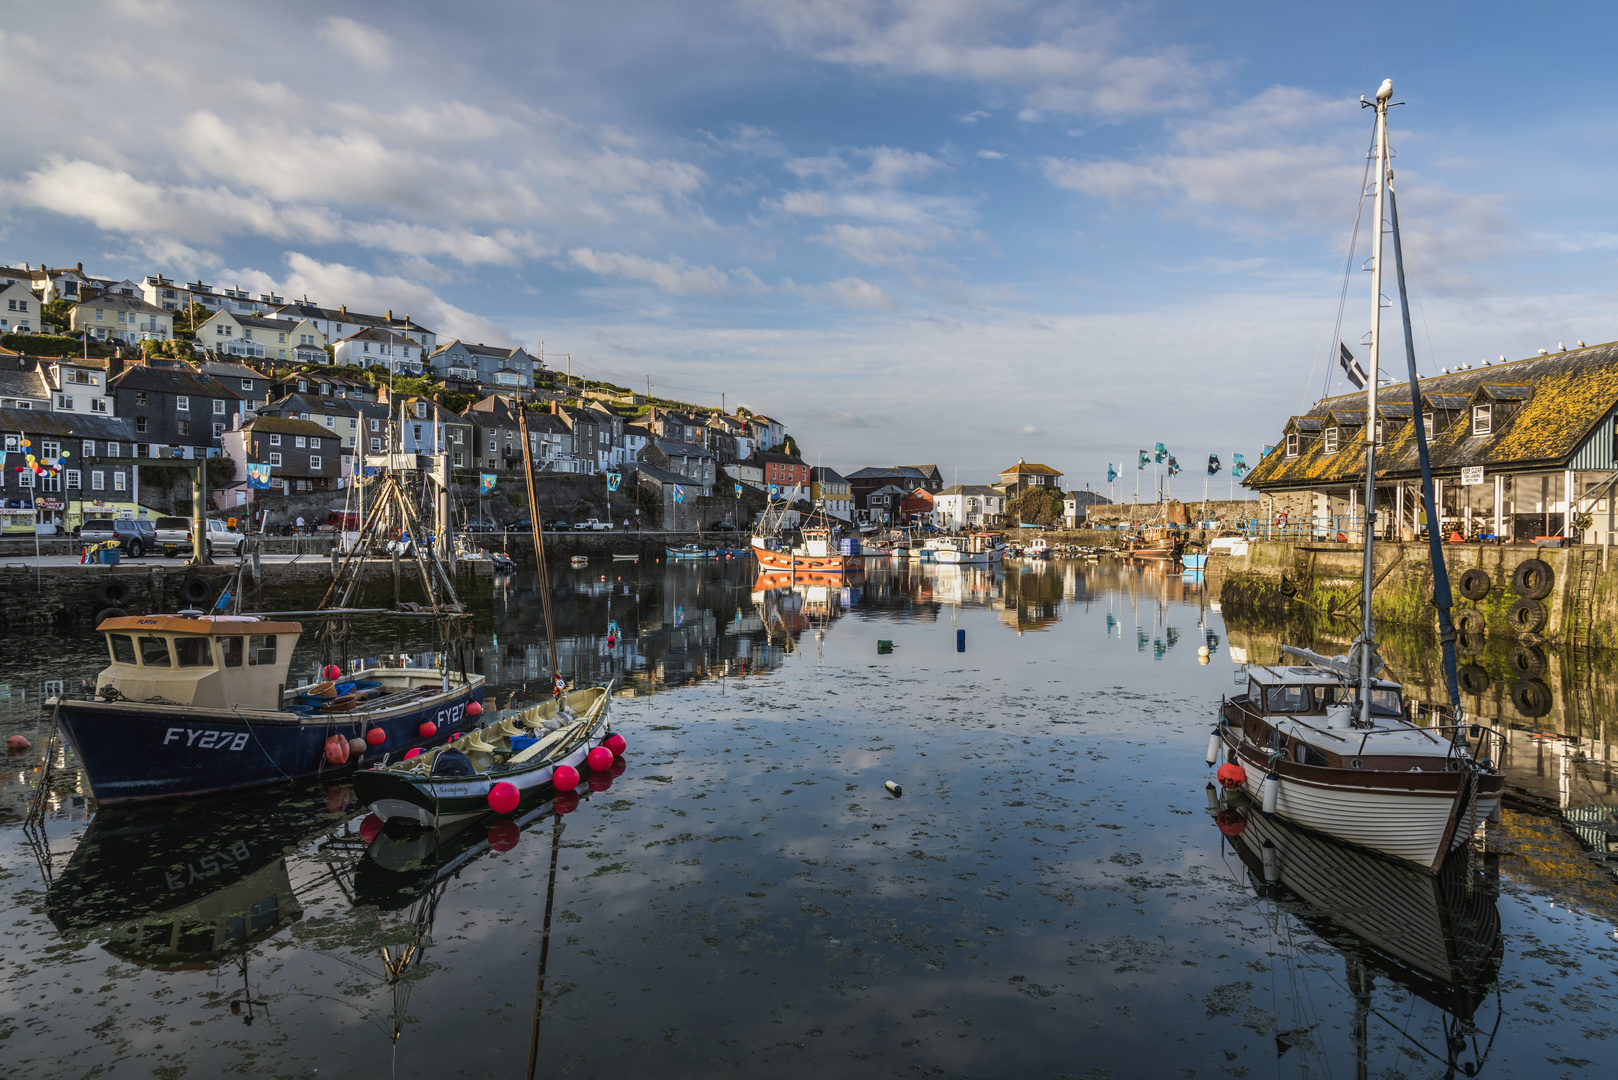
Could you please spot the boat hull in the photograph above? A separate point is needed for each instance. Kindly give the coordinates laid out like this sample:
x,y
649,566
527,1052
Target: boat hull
x,y
779,561
1414,817
950,557
134,752
681,555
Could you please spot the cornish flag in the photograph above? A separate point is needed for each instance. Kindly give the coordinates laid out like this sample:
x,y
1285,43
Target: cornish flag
x,y
1351,367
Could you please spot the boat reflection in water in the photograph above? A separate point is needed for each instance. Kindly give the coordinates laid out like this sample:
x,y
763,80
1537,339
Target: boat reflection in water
x,y
1436,936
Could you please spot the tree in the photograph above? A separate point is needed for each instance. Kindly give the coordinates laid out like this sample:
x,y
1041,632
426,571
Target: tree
x,y
57,313
1035,506
187,319
791,446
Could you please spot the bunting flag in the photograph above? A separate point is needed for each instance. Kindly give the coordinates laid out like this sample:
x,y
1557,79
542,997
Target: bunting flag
x,y
1145,460
258,477
1213,464
738,491
486,483
1351,367
679,493
1238,466
613,480
1174,466
1112,473
1162,452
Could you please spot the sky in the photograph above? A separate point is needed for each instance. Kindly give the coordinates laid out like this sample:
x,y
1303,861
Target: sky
x,y
949,231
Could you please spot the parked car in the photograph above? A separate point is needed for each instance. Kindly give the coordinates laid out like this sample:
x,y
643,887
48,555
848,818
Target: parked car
x,y
222,539
135,538
523,526
723,525
480,525
591,525
555,525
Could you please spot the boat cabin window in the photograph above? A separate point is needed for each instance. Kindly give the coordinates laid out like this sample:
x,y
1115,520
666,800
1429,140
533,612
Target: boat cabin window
x,y
192,651
230,651
1383,702
123,648
154,652
261,649
1287,699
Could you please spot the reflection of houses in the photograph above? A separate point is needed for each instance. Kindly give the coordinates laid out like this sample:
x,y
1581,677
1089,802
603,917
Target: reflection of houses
x,y
1514,446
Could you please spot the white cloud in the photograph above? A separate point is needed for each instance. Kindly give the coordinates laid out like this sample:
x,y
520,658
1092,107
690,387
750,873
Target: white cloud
x,y
366,44
849,291
335,282
674,275
991,155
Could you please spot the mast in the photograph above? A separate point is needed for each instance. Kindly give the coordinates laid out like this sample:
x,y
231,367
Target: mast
x,y
1367,624
539,539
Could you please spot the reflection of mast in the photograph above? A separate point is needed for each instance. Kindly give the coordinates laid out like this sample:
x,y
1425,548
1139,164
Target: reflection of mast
x,y
1360,982
544,946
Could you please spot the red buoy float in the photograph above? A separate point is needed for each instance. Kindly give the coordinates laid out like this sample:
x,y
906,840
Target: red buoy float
x,y
566,802
503,835
17,742
566,778
331,672
413,752
1231,776
1230,822
474,709
376,736
370,828
337,750
616,743
599,759
504,797
427,729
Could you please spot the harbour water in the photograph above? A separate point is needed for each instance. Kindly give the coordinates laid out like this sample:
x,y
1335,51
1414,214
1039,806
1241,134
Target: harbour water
x,y
1050,895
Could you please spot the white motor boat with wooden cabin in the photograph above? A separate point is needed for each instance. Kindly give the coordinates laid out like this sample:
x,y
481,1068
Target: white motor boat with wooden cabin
x,y
974,549
1301,751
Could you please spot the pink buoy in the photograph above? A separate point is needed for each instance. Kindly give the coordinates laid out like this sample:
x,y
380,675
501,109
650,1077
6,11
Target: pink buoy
x,y
337,750
599,759
331,672
504,797
566,802
616,743
503,835
427,729
566,778
473,708
17,742
376,736
370,828
413,752
356,747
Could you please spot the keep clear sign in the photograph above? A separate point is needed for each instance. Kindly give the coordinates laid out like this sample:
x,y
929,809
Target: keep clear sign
x,y
1471,474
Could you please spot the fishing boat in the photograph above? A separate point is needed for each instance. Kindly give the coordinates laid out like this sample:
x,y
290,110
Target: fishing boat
x,y
195,704
579,560
1154,544
522,750
974,549
1194,560
687,552
631,557
732,553
1325,742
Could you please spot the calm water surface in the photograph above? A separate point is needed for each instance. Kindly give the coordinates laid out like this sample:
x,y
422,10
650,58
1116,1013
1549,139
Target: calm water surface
x,y
1050,897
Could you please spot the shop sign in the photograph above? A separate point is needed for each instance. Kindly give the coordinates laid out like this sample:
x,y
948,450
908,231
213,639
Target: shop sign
x,y
1471,475
48,504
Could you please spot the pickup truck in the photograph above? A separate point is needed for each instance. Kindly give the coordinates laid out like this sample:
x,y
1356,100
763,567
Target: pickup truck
x,y
591,525
176,540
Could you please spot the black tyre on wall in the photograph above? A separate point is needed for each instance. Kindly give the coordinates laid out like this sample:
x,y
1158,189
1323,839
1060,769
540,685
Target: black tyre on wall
x,y
109,613
1526,616
196,590
1474,584
1470,623
1526,662
1533,579
1473,679
114,592
1532,698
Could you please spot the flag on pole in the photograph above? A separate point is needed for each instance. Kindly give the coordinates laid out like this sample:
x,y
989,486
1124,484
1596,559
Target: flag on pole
x,y
1238,466
1162,452
679,493
1213,464
1351,367
485,483
1174,466
258,476
1112,473
613,479
1145,459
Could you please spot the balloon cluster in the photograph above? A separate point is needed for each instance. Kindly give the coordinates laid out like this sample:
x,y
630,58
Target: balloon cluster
x,y
41,466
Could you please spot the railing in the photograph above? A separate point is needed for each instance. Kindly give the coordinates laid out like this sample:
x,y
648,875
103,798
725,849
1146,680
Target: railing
x,y
1335,529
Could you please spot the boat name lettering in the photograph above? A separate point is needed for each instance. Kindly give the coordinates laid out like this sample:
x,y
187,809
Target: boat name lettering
x,y
204,739
209,864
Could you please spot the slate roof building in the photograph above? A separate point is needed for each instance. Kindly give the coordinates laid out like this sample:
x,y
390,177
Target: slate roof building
x,y
176,412
506,370
1519,449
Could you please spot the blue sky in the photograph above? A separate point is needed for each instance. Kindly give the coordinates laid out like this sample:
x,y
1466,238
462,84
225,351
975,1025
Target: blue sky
x,y
947,232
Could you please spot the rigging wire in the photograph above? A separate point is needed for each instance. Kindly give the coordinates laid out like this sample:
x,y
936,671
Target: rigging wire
x,y
1342,292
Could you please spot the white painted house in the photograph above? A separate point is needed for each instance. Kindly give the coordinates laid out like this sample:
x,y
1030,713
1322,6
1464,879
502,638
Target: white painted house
x,y
376,347
19,310
966,506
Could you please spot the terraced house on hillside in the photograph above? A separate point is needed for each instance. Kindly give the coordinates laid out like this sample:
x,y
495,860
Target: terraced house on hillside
x,y
1519,449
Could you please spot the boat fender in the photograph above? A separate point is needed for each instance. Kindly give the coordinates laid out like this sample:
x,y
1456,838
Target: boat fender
x,y
427,729
599,759
1272,792
893,789
1213,747
1231,776
565,778
110,613
616,743
1272,863
331,673
370,828
413,752
356,746
17,742
474,708
504,797
376,736
1213,797
337,750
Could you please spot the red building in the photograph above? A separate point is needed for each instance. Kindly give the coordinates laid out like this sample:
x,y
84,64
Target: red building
x,y
917,507
783,470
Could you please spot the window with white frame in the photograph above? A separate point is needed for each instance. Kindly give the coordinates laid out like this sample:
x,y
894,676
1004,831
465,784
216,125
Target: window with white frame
x,y
314,444
98,404
119,480
299,441
275,440
1293,443
1482,419
182,403
72,477
1379,433
64,402
275,459
376,446
314,463
98,480
1331,440
89,448
218,430
1427,424
219,406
